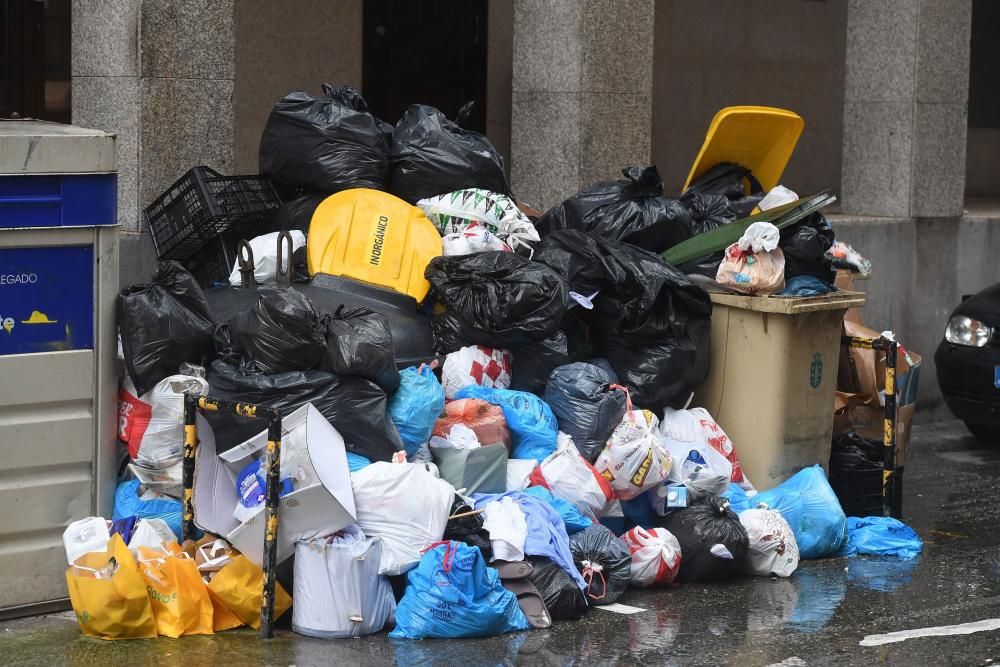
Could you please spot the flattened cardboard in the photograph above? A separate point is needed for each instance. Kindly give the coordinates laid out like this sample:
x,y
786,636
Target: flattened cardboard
x,y
313,511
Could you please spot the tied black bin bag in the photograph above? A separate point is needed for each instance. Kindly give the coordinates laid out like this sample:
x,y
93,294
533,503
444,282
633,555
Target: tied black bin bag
x,y
604,561
804,245
649,320
563,598
585,406
163,324
632,209
498,299
432,156
708,212
359,342
713,541
326,143
282,332
468,529
357,408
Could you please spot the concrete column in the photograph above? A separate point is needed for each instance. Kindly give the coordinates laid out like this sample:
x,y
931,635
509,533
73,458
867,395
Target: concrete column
x,y
581,94
159,73
905,96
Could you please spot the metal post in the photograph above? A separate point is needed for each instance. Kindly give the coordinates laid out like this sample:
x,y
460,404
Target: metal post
x,y
190,443
889,426
273,467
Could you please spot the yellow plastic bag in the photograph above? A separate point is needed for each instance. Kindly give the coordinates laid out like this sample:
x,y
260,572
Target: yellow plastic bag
x,y
117,607
239,586
180,599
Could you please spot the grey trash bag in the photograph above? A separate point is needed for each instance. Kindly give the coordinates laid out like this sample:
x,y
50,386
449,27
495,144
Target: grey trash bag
x,y
585,405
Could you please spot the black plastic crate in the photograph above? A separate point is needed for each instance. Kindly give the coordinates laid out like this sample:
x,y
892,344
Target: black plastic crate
x,y
860,492
203,204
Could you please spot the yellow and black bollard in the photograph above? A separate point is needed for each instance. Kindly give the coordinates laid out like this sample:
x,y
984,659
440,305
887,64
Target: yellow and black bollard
x,y
272,465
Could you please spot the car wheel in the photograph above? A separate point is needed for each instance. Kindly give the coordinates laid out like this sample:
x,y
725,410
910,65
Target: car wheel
x,y
988,433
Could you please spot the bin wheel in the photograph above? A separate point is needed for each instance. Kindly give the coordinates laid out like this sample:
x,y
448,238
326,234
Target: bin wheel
x,y
988,434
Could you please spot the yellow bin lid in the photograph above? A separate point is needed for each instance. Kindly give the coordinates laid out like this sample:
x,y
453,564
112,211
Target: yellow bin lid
x,y
761,139
374,237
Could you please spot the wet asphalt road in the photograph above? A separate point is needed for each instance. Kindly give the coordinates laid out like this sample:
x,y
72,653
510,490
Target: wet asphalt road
x,y
817,617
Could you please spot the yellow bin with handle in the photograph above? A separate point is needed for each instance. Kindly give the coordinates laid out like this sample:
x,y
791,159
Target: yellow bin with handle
x,y
762,139
373,237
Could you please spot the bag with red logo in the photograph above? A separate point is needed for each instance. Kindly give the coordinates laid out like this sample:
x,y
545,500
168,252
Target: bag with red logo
x,y
656,556
773,550
152,425
475,364
634,460
700,448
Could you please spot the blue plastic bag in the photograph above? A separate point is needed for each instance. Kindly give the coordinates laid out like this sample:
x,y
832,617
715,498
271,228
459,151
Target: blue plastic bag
x,y
573,518
453,593
738,498
356,462
812,510
532,425
416,405
128,503
882,536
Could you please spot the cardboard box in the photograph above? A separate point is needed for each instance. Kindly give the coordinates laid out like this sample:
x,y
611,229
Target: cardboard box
x,y
313,511
845,281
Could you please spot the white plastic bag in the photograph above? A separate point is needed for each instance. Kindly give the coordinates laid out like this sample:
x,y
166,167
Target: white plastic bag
x,y
406,506
773,549
84,536
459,437
152,425
453,211
152,533
572,478
474,238
508,528
338,591
755,264
168,481
777,196
475,364
760,237
656,556
519,473
265,256
700,448
634,459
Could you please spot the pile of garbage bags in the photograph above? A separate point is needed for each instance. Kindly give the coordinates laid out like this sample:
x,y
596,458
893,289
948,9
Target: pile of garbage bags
x,y
538,459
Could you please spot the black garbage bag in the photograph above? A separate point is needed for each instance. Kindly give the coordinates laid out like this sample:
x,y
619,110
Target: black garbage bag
x,y
282,332
604,561
708,212
605,366
164,323
632,209
297,213
563,598
856,465
468,529
497,299
649,320
328,143
713,541
532,363
357,408
729,179
359,343
432,155
805,244
585,406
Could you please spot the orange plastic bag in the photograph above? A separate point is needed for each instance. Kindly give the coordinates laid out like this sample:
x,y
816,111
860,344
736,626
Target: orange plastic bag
x,y
117,607
180,599
485,420
239,586
755,273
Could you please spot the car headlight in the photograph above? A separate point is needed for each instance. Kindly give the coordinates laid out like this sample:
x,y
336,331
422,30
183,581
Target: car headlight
x,y
963,330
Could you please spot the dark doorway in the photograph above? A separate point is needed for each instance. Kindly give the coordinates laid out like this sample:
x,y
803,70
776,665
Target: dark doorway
x,y
427,53
35,59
